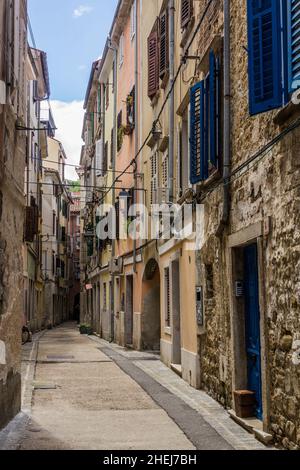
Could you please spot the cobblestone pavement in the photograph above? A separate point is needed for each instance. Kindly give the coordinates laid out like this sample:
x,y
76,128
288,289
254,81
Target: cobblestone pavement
x,y
82,393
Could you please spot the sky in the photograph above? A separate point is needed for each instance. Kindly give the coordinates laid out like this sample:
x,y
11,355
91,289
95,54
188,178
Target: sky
x,y
73,34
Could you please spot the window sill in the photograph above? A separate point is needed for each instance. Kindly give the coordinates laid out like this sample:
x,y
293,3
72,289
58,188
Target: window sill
x,y
286,113
168,331
211,179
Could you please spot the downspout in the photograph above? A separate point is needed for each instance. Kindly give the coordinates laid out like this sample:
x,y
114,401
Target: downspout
x,y
227,125
136,128
171,107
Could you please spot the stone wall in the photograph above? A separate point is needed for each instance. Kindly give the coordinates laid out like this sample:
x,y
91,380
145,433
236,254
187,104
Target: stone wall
x,y
268,192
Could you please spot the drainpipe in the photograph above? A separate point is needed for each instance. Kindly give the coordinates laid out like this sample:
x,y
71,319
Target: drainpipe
x,y
227,125
113,250
171,107
136,110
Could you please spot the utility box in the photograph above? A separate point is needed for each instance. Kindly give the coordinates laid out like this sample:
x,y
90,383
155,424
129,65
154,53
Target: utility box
x,y
244,403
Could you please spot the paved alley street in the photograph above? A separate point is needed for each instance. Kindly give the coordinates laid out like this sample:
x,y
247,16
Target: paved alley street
x,y
80,392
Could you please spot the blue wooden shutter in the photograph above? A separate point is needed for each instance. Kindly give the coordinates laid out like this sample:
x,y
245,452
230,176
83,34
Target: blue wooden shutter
x,y
197,133
264,45
294,44
213,109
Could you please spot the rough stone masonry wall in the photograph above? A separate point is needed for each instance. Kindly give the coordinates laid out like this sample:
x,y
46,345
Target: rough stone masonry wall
x,y
271,188
214,344
12,161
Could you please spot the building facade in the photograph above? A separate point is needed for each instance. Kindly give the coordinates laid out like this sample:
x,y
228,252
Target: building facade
x,y
202,113
13,121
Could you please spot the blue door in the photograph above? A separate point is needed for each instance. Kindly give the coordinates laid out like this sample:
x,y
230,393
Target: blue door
x,y
252,317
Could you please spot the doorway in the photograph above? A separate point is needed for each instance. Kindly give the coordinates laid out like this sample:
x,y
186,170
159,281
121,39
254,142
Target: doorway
x,y
128,327
151,319
176,322
252,325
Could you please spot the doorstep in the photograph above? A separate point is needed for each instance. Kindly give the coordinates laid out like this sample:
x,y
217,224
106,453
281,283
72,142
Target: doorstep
x,y
253,426
177,368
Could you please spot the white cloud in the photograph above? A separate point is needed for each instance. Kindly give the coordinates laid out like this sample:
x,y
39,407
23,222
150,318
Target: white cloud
x,y
68,118
82,10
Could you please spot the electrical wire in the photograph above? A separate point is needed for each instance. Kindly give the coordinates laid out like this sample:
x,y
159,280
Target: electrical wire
x,y
133,161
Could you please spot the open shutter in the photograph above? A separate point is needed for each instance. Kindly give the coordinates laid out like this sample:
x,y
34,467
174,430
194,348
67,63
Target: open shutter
x,y
153,74
99,158
294,44
264,44
198,163
164,44
186,12
214,110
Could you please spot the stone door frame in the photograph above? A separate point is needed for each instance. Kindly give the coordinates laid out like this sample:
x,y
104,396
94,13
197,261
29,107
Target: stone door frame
x,y
236,242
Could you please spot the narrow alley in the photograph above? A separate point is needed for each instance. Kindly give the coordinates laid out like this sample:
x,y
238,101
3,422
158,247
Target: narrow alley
x,y
83,393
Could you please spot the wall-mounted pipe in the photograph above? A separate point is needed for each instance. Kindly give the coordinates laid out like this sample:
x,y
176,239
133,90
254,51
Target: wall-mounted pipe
x,y
171,100
136,114
227,125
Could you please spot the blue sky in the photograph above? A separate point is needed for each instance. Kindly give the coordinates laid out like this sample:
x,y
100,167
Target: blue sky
x,y
73,34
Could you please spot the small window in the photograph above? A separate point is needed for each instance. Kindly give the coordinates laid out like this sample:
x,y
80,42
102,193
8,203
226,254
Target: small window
x,y
104,296
120,131
186,12
167,298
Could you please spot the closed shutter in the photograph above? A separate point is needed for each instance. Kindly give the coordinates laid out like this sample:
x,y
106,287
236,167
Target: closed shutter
x,y
29,231
10,43
294,44
153,65
186,12
99,158
197,133
154,177
16,41
264,45
164,44
167,298
165,178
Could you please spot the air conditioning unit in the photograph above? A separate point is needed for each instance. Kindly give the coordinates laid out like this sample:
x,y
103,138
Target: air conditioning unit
x,y
116,265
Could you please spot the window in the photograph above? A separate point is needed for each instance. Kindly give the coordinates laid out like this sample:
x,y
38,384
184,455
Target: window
x,y
112,136
99,158
120,131
186,12
164,44
167,298
107,94
153,62
130,111
205,146
132,22
121,51
154,177
104,296
105,159
273,49
165,178
53,223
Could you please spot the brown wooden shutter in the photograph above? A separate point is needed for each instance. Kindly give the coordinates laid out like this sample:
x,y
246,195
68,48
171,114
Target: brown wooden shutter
x,y
153,75
163,44
186,12
29,224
